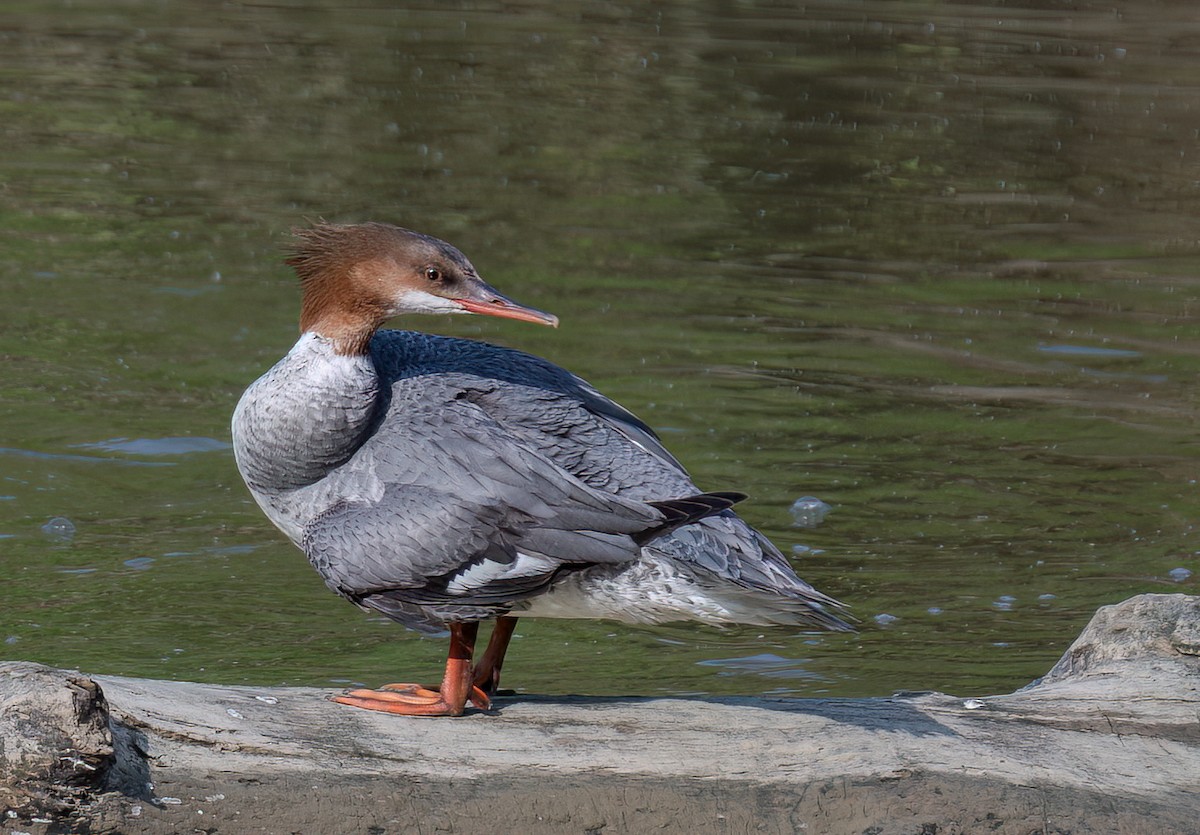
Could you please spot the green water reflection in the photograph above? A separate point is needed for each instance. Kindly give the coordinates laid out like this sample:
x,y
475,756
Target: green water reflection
x,y
935,265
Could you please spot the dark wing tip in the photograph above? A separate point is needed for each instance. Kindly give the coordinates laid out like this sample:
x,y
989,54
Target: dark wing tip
x,y
684,511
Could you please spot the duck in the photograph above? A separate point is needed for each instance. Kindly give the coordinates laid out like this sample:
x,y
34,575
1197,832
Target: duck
x,y
445,482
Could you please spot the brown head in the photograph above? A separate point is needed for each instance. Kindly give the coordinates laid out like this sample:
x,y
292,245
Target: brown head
x,y
356,277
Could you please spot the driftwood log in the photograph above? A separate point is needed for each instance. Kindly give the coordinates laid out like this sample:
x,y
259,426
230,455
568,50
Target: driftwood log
x,y
1107,742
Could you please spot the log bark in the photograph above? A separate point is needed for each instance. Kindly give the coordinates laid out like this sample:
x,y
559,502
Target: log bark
x,y
1108,741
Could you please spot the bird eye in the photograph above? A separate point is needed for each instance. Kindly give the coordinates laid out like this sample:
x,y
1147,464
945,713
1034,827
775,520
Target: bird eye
x,y
433,274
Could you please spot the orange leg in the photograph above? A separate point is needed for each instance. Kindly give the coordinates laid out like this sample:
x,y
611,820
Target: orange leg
x,y
487,671
414,700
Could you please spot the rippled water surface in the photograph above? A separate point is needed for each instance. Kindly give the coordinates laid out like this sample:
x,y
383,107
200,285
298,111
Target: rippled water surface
x,y
934,265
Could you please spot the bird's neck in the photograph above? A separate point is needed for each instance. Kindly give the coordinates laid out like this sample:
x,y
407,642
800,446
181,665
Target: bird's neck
x,y
347,331
308,414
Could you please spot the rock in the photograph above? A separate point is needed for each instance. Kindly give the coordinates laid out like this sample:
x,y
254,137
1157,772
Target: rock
x,y
1107,741
55,742
1160,630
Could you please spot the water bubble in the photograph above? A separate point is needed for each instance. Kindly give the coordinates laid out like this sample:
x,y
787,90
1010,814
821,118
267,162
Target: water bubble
x,y
934,610
884,619
60,528
1047,596
1179,574
1004,602
809,511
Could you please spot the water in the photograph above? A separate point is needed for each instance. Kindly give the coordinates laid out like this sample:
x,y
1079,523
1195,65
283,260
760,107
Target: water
x,y
936,266
808,512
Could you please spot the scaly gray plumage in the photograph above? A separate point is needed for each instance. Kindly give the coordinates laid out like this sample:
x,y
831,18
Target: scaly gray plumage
x,y
447,480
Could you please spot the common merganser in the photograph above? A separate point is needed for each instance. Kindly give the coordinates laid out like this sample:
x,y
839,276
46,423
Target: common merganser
x,y
442,482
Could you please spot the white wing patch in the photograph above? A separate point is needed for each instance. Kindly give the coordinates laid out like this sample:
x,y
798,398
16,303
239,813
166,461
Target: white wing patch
x,y
480,576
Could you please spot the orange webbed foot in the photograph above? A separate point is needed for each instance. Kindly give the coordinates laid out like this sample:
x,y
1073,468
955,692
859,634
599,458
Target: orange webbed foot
x,y
412,700
456,691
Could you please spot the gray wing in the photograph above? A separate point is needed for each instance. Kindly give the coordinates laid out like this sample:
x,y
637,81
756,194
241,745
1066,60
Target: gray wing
x,y
602,444
586,434
625,422
424,557
606,446
466,519
547,407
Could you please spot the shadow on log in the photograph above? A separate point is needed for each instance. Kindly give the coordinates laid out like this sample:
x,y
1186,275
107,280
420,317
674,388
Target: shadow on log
x,y
1108,741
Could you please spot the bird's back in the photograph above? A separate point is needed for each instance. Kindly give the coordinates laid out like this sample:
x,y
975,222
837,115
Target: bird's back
x,y
539,404
718,569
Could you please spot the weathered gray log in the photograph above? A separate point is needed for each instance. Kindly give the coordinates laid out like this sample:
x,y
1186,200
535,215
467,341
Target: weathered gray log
x,y
1108,741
